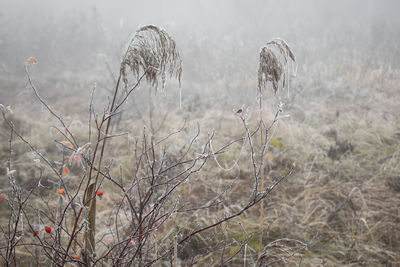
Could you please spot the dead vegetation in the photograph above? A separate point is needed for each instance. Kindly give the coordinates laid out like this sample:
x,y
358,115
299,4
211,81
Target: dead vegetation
x,y
339,207
154,52
275,59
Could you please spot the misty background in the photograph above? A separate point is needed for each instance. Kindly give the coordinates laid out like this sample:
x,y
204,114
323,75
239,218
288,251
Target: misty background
x,y
340,121
219,41
346,52
347,56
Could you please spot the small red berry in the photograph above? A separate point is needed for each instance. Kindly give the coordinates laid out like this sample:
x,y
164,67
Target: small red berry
x,y
48,229
61,191
76,257
35,232
99,193
66,170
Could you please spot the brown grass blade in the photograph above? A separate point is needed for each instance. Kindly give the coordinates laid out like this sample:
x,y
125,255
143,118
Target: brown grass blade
x,y
90,234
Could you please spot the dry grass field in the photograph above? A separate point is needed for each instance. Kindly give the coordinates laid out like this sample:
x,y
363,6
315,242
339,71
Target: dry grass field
x,y
339,127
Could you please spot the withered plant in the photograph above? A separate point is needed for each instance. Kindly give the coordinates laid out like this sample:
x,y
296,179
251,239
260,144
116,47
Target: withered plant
x,y
141,228
153,51
275,58
274,69
150,53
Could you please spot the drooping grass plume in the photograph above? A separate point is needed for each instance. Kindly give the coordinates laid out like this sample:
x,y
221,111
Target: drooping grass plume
x,y
154,51
274,59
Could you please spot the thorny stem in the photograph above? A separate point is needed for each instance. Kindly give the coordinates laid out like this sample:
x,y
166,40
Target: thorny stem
x,y
257,198
92,228
108,118
106,133
91,169
48,108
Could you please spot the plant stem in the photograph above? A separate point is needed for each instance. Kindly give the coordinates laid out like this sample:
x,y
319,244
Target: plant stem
x,y
92,203
106,133
262,190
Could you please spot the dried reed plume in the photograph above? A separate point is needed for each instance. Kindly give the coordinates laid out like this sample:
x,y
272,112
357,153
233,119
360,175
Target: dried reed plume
x,y
274,57
153,50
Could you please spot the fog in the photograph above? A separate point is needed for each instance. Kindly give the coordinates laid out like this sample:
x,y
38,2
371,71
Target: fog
x,y
38,27
215,38
340,121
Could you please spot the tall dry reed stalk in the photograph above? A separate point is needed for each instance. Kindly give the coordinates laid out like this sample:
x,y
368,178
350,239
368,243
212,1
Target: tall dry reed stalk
x,y
151,53
275,57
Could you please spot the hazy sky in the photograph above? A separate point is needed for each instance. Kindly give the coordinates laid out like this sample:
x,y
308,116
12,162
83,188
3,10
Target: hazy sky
x,y
205,13
26,26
